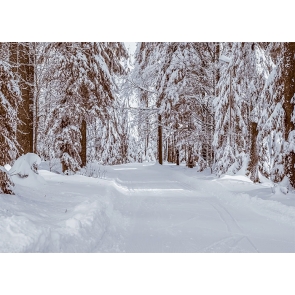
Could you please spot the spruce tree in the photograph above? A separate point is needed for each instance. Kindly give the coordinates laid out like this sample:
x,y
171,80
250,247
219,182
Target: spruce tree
x,y
237,112
88,91
271,129
10,98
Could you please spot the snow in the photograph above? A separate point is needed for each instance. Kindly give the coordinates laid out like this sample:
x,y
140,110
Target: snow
x,y
7,167
24,171
147,208
224,59
236,178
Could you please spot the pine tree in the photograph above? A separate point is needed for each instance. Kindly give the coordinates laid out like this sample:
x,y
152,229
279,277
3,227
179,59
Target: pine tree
x,y
271,130
69,113
9,100
142,82
258,64
177,79
106,69
87,80
240,86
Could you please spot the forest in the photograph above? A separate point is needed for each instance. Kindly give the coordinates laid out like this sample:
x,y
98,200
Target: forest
x,y
217,105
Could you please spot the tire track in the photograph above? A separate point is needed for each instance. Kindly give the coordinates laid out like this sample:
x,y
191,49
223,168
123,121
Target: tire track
x,y
237,234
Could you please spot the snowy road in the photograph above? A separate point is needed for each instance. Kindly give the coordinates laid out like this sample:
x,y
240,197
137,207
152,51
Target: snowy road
x,y
146,208
171,212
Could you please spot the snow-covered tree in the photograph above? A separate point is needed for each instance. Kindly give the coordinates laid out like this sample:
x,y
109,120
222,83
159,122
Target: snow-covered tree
x,y
236,114
10,98
87,73
177,81
142,100
271,128
177,103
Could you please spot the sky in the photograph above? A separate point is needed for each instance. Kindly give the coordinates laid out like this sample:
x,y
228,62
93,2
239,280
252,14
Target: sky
x,y
131,46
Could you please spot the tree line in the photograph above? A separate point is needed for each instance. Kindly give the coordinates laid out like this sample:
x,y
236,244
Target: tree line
x,y
52,94
216,105
221,105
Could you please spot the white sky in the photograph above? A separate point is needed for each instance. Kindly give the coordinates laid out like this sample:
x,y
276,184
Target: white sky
x,y
131,46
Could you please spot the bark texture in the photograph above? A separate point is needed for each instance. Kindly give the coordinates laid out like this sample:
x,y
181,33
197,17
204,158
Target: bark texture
x,y
289,92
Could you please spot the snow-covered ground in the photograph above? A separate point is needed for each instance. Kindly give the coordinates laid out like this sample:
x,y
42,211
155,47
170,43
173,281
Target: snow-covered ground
x,y
147,208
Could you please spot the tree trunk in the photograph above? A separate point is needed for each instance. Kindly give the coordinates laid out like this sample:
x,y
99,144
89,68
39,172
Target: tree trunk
x,y
177,157
289,92
253,163
1,54
83,154
190,161
217,73
13,60
169,152
64,167
160,140
31,86
146,99
36,125
36,96
4,181
25,131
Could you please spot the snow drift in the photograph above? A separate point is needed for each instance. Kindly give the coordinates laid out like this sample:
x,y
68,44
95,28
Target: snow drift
x,y
25,171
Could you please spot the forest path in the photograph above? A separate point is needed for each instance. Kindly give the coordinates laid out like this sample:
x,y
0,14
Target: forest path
x,y
169,211
146,208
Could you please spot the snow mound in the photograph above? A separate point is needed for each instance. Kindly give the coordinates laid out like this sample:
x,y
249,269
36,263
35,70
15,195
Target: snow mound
x,y
236,177
7,167
25,171
81,229
18,233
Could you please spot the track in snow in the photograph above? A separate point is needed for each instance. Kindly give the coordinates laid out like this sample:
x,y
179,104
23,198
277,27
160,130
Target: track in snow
x,y
168,214
144,208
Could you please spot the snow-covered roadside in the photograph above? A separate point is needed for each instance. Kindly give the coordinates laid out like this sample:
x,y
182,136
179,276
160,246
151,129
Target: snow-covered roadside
x,y
239,191
68,214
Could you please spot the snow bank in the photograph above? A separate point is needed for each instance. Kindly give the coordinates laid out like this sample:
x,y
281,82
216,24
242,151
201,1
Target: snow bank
x,y
19,233
70,214
235,177
268,208
84,228
79,229
94,169
25,171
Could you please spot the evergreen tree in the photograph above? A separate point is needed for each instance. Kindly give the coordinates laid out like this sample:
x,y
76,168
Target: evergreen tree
x,y
142,82
271,120
10,98
236,114
88,89
181,104
177,79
